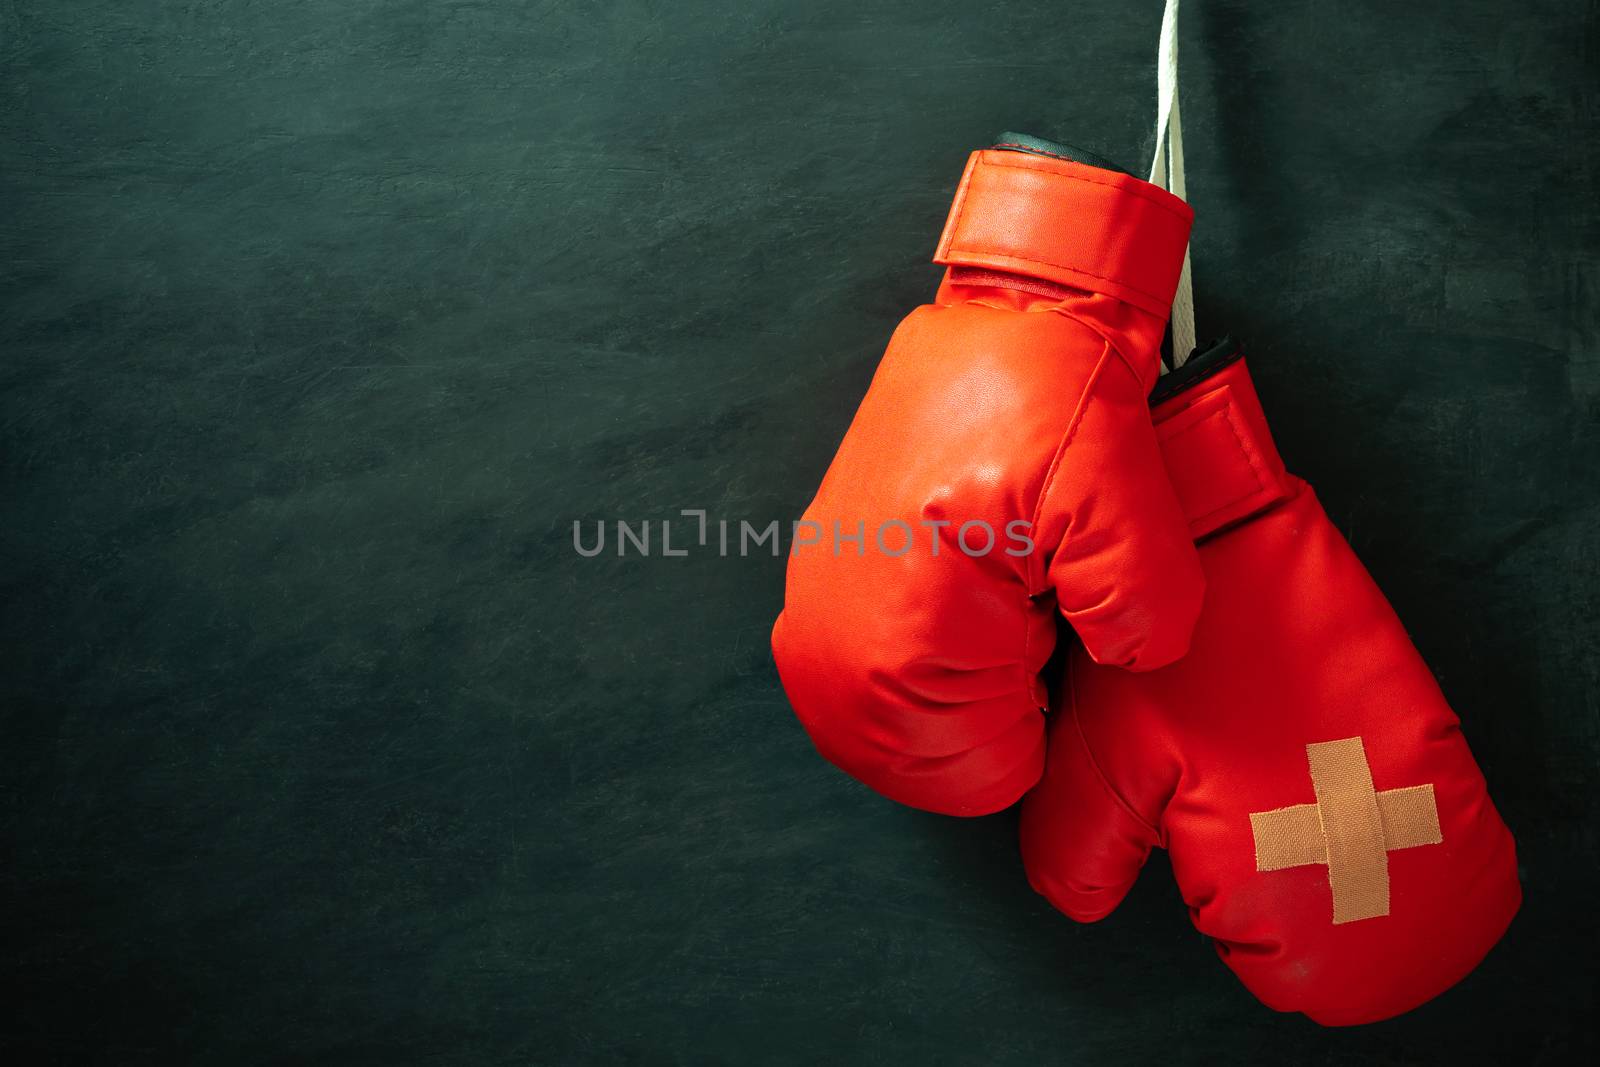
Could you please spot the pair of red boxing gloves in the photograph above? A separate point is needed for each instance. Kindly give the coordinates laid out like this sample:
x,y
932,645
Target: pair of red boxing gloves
x,y
1241,693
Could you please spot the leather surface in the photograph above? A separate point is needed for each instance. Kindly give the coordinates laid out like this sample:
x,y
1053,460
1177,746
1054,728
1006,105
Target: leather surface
x,y
1055,219
915,665
1295,647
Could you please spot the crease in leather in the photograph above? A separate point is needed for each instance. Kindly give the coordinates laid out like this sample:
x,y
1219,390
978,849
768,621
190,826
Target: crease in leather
x,y
1100,772
1034,261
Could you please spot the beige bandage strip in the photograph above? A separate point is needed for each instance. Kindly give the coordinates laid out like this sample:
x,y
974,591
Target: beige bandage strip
x,y
1351,829
1288,837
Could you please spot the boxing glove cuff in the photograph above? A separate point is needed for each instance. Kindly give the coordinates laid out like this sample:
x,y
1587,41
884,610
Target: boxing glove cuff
x,y
1081,226
1217,447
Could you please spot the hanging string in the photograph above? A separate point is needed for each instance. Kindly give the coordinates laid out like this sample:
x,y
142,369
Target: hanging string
x,y
1167,171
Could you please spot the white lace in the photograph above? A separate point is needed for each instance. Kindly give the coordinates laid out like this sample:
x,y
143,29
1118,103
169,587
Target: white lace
x,y
1167,171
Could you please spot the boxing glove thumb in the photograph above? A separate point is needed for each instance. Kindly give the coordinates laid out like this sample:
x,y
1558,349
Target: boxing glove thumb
x,y
1085,846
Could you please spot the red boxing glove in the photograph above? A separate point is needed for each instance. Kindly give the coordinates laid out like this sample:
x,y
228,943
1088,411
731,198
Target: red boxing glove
x,y
1001,464
1326,823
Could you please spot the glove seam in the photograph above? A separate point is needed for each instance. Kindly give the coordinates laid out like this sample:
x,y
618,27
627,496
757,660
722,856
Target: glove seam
x,y
980,250
1036,578
1227,416
1121,187
1138,379
1122,357
1105,781
1037,151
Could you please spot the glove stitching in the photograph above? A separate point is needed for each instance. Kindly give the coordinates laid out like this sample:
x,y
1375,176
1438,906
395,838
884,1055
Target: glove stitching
x,y
1056,309
1132,190
1217,367
1122,356
1061,451
1244,449
1041,152
1227,415
957,211
1028,677
1036,573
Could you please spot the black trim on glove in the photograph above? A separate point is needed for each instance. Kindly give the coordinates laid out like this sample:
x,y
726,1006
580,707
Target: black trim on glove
x,y
1038,146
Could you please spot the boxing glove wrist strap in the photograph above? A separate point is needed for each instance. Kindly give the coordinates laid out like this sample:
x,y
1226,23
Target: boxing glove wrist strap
x,y
1062,221
1216,445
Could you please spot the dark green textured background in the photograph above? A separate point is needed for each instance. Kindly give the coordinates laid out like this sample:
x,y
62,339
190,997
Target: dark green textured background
x,y
323,320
